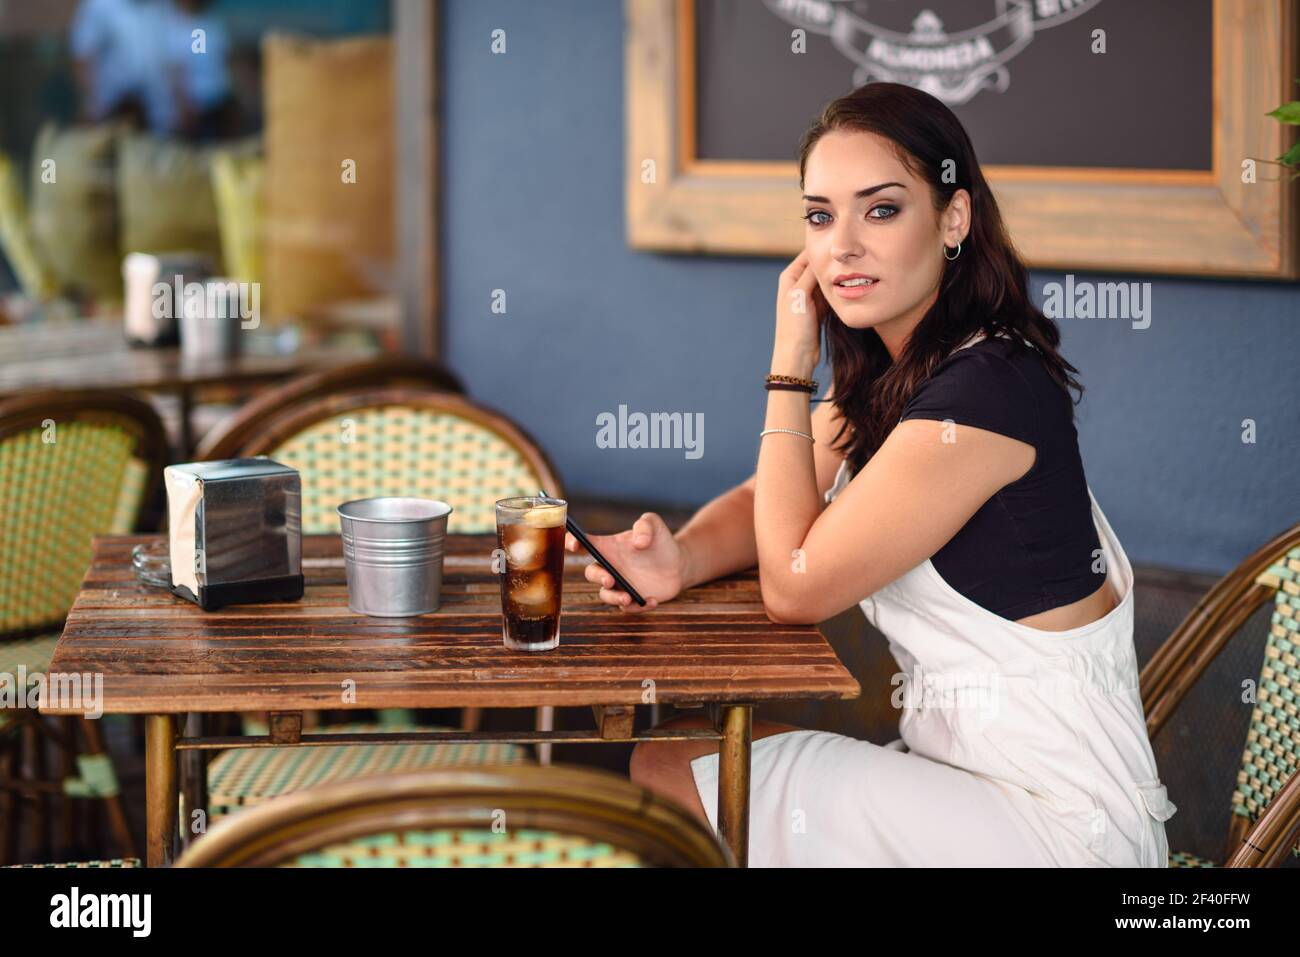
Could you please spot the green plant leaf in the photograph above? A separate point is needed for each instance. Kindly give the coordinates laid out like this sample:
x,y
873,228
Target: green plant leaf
x,y
1287,112
1291,157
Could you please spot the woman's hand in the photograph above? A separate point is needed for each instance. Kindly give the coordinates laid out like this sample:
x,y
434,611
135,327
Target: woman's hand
x,y
646,555
800,307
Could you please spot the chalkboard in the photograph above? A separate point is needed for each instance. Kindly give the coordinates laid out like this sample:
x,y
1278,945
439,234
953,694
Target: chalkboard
x,y
1020,74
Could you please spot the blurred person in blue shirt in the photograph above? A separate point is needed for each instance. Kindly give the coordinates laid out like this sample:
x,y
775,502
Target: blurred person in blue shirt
x,y
159,63
196,48
115,46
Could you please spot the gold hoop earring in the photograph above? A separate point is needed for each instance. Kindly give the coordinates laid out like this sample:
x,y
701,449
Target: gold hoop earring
x,y
951,258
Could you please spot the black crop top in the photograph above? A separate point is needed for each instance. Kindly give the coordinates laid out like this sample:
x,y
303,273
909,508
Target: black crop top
x,y
1033,545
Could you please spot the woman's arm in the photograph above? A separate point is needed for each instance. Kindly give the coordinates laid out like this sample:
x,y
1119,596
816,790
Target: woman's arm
x,y
920,488
719,539
787,496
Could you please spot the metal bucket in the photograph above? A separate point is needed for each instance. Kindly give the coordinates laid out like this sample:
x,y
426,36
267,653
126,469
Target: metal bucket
x,y
392,552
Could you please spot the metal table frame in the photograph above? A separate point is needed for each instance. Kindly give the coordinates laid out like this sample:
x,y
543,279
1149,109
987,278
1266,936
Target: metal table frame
x,y
164,748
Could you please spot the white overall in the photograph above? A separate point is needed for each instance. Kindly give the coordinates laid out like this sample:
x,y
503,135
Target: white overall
x,y
1019,747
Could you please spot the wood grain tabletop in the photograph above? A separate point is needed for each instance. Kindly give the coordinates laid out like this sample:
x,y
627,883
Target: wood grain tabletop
x,y
161,654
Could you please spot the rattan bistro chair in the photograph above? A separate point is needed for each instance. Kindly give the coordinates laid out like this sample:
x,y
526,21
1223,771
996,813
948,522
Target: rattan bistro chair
x,y
227,439
527,816
366,443
72,465
1265,818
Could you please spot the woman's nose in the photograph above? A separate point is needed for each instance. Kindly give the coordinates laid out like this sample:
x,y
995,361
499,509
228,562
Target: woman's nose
x,y
844,242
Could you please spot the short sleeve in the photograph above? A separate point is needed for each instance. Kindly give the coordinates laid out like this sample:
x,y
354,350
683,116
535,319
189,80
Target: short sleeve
x,y
982,390
87,33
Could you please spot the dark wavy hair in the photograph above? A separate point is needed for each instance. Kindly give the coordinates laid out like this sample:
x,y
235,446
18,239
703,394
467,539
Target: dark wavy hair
x,y
984,289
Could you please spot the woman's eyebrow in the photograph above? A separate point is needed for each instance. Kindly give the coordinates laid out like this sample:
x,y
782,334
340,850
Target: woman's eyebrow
x,y
860,194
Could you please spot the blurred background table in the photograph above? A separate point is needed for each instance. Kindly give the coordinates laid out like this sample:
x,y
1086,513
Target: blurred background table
x,y
95,354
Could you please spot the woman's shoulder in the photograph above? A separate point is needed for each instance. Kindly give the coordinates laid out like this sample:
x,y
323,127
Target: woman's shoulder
x,y
991,384
1008,348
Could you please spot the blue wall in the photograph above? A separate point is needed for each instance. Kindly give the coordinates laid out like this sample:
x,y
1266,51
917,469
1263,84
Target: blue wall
x,y
532,203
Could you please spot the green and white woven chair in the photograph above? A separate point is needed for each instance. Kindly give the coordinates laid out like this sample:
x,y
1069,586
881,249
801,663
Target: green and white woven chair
x,y
227,440
1264,824
252,776
363,443
498,816
359,444
72,465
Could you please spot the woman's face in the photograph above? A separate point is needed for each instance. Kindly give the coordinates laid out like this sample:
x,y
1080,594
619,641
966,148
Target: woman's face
x,y
893,234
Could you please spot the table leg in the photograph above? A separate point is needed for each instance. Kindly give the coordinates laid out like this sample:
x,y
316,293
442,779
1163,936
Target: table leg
x,y
194,782
68,769
10,800
545,721
733,779
161,788
34,743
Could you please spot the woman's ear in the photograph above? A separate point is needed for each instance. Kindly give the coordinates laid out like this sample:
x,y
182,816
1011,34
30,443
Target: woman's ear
x,y
956,218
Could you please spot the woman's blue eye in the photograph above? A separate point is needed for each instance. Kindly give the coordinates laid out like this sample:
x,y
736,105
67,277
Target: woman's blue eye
x,y
892,212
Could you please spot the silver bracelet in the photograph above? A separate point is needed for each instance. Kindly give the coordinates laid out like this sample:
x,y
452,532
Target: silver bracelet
x,y
791,431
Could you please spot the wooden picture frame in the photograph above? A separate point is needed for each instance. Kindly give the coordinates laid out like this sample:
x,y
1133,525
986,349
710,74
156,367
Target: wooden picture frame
x,y
1207,223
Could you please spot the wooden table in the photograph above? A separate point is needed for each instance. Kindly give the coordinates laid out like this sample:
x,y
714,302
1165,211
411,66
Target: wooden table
x,y
96,355
163,657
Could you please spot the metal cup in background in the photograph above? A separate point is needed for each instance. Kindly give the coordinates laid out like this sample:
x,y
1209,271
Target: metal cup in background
x,y
210,320
392,552
145,276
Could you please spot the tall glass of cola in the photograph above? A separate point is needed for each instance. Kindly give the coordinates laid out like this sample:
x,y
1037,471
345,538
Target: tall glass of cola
x,y
530,533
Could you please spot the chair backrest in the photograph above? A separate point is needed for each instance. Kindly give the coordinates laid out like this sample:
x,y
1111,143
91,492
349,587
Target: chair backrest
x,y
507,816
72,465
404,442
225,440
1270,758
1272,752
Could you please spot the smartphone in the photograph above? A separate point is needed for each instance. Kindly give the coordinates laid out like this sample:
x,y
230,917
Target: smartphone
x,y
604,562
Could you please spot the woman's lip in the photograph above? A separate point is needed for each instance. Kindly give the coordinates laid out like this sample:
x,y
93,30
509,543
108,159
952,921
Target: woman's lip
x,y
854,292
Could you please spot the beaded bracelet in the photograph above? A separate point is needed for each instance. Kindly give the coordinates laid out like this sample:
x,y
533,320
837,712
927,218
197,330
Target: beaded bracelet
x,y
791,431
793,380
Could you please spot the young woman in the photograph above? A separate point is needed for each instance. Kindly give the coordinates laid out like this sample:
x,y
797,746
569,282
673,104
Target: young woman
x,y
940,487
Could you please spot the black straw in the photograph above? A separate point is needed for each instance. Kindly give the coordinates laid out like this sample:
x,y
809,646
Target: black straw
x,y
585,542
